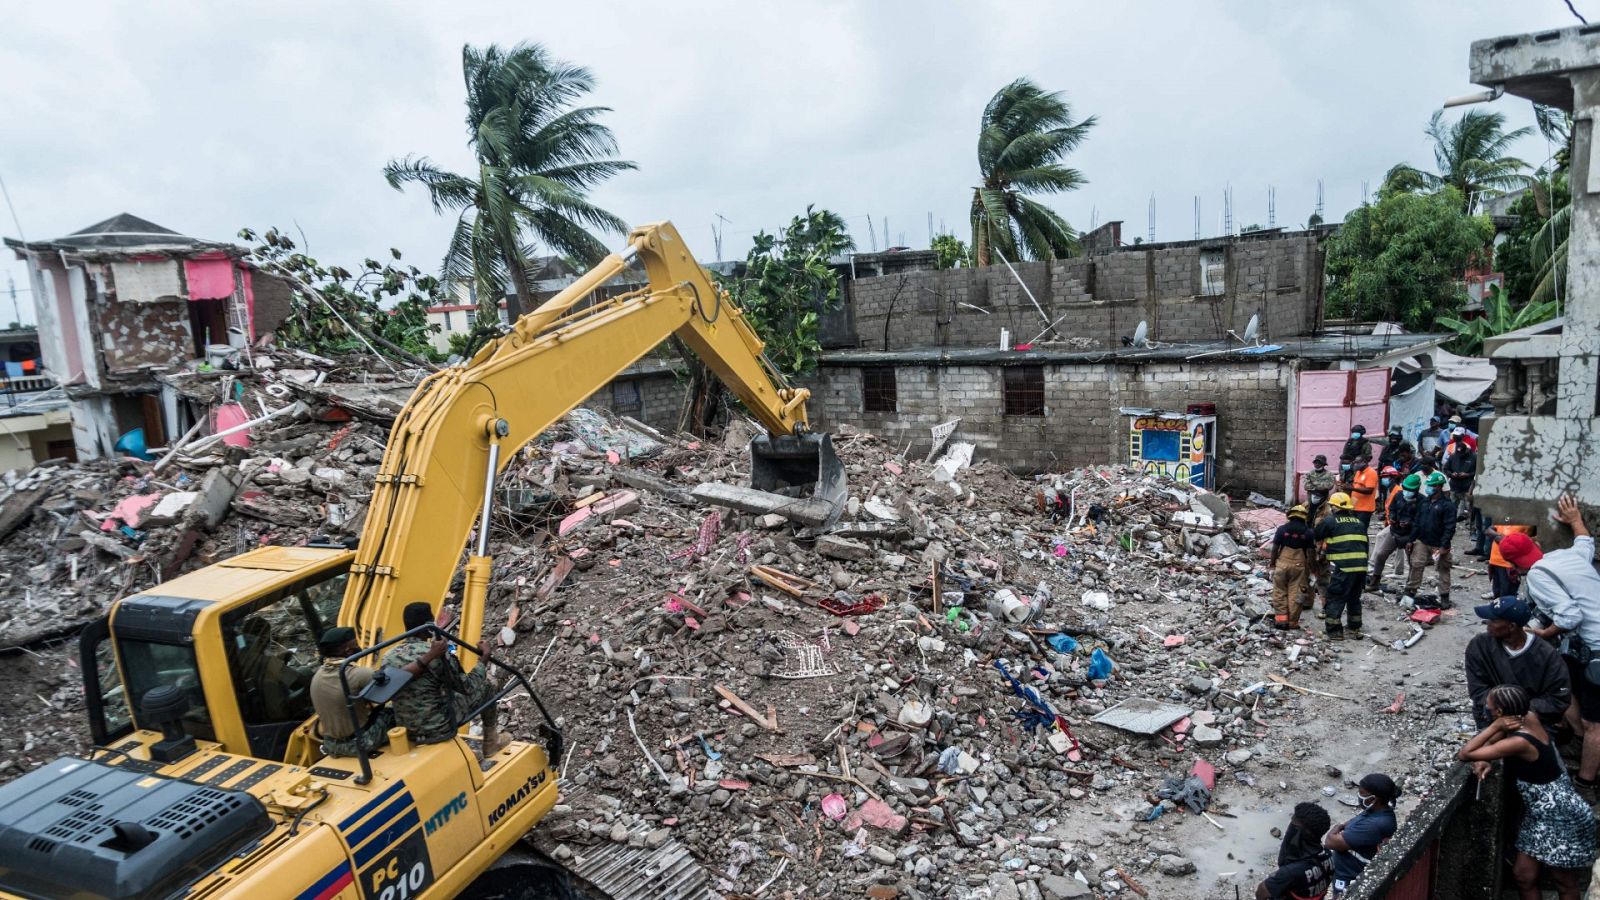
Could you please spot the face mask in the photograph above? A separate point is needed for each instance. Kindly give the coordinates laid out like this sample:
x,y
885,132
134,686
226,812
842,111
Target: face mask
x,y
1367,802
1355,435
1409,495
1427,490
1320,466
1388,481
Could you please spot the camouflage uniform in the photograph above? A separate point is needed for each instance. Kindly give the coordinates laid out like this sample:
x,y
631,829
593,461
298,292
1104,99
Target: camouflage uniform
x,y
434,704
375,735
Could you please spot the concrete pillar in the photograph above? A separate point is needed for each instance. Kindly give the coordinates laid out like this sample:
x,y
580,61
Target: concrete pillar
x,y
1580,335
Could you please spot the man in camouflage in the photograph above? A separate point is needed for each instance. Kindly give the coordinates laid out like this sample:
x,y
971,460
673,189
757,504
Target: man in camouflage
x,y
339,734
440,695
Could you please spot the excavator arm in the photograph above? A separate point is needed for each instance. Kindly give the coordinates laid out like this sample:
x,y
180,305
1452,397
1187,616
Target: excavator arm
x,y
465,423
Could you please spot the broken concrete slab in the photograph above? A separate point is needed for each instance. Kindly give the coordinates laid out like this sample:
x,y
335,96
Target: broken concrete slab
x,y
837,547
889,531
1141,715
810,512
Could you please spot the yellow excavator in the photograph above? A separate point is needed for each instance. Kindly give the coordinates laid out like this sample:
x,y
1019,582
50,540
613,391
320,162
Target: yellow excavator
x,y
208,777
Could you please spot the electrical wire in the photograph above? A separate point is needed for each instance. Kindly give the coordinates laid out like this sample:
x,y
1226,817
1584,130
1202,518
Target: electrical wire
x,y
9,205
1576,13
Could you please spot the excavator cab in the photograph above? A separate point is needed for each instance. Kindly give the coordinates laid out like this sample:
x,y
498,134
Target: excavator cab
x,y
800,465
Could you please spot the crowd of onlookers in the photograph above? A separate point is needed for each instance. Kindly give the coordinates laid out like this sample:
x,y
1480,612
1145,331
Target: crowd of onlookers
x,y
1533,679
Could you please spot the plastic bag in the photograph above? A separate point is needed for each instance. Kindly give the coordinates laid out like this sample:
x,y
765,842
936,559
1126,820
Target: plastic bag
x,y
1100,665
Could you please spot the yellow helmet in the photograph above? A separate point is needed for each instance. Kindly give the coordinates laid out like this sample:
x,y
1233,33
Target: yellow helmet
x,y
1298,511
1341,500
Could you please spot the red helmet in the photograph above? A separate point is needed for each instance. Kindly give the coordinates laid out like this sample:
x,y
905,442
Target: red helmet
x,y
1390,470
1520,550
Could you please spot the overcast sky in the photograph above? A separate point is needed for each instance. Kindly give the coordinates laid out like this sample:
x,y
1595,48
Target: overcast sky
x,y
209,117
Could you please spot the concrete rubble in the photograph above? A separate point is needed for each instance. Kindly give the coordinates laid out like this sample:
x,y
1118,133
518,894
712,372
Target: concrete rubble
x,y
903,703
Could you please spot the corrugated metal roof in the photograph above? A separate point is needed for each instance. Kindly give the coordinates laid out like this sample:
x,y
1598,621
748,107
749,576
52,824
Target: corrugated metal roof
x,y
668,872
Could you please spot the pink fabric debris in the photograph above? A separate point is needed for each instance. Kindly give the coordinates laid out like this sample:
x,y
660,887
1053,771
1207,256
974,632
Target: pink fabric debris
x,y
231,415
877,814
209,279
130,511
1206,772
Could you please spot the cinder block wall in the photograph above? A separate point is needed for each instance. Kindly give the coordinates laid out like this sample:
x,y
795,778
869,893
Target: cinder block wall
x,y
1081,425
661,395
1099,298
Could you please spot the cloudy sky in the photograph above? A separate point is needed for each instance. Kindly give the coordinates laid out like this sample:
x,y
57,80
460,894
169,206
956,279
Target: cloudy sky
x,y
209,117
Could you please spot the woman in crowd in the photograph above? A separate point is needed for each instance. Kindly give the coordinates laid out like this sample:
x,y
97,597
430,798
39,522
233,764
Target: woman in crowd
x,y
1558,830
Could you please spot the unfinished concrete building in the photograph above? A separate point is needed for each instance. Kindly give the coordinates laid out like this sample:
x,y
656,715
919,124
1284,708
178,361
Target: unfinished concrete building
x,y
124,300
1051,365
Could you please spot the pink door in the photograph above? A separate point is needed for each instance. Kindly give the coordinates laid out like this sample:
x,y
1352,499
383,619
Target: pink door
x,y
1331,403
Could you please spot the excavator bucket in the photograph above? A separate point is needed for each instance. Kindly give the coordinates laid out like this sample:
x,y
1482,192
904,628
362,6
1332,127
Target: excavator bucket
x,y
802,465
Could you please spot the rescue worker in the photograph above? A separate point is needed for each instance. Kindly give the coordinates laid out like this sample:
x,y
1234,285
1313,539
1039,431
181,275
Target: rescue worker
x,y
1319,484
1362,486
1358,448
1305,867
1388,486
1393,444
1293,549
339,734
1401,531
436,701
1436,528
1356,842
1343,536
1461,467
1504,579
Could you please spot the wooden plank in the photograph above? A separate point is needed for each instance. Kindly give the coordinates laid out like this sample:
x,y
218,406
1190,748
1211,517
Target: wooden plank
x,y
750,711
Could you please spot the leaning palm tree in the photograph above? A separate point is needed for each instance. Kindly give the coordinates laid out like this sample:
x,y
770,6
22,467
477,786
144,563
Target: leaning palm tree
x,y
537,154
1024,135
1472,154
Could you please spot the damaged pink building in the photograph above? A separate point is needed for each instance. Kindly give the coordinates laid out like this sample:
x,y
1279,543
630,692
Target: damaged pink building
x,y
124,301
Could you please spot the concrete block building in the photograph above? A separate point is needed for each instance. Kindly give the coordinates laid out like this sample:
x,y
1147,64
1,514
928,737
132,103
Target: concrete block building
x,y
1039,360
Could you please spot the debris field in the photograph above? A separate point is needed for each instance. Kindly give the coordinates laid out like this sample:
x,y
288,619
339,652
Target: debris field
x,y
959,689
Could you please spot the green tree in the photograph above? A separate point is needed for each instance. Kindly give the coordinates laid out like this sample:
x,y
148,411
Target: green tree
x,y
1402,259
950,251
788,283
538,155
1024,134
785,286
1473,156
1499,317
337,311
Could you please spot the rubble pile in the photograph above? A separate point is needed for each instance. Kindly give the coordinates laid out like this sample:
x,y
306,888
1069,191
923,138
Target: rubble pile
x,y
907,701
953,688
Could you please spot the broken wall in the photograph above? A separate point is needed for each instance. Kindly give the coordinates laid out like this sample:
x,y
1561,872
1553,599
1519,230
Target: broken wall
x,y
1099,299
1081,425
138,335
660,397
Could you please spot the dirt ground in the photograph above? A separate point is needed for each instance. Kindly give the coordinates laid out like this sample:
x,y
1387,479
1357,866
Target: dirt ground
x,y
1356,738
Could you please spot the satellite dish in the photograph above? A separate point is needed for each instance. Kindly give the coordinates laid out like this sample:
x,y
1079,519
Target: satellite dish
x,y
1140,334
1251,329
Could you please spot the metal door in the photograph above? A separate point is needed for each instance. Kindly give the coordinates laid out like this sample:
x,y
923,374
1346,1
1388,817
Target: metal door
x,y
1331,403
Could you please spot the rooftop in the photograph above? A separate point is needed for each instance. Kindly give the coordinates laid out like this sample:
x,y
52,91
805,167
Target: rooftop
x,y
121,235
1323,348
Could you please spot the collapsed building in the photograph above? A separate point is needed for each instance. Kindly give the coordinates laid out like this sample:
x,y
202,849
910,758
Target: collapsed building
x,y
124,300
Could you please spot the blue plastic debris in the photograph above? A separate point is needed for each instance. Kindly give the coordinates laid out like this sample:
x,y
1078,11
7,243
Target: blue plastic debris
x,y
1062,643
1100,665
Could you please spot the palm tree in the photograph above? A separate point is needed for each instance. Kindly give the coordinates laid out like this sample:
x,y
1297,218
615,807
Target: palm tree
x,y
1499,317
1472,156
1025,132
537,155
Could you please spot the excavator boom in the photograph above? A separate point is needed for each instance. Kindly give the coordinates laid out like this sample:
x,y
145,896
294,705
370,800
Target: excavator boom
x,y
464,423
